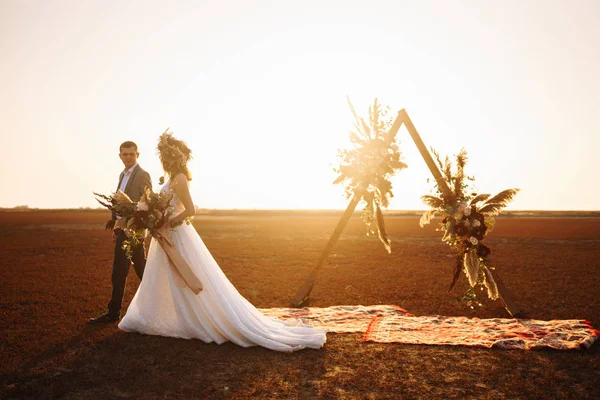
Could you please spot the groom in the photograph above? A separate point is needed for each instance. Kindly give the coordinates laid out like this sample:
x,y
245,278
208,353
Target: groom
x,y
133,180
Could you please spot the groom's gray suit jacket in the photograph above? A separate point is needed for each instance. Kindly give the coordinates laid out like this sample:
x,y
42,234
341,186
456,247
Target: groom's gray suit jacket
x,y
136,185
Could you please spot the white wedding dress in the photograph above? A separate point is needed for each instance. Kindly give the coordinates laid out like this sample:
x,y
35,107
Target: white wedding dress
x,y
217,314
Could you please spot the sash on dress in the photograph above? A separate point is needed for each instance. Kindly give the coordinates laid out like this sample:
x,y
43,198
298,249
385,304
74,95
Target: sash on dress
x,y
182,273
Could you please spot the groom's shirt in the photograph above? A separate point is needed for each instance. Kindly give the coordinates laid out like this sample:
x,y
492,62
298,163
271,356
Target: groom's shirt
x,y
126,175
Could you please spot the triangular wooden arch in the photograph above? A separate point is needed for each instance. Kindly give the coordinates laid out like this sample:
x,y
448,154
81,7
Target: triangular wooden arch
x,y
402,118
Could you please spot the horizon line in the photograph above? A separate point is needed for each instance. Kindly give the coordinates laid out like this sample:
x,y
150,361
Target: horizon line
x,y
203,209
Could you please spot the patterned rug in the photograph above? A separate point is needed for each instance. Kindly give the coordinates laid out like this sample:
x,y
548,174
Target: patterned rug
x,y
392,324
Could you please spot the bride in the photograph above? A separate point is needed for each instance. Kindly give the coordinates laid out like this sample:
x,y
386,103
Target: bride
x,y
218,313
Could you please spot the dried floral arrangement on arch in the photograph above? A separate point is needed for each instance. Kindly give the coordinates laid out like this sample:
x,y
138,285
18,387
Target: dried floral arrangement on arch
x,y
467,218
366,168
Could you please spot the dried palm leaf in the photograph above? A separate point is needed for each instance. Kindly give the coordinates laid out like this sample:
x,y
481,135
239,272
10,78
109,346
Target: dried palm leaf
x,y
437,158
457,267
368,209
432,201
447,235
475,262
104,204
122,198
458,182
503,197
461,159
381,230
490,284
480,197
426,217
471,263
448,169
357,120
102,196
491,209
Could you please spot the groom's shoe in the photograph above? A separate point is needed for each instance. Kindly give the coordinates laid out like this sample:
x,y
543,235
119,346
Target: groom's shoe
x,y
104,319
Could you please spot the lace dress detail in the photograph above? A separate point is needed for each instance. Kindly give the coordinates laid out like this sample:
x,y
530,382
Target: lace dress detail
x,y
219,313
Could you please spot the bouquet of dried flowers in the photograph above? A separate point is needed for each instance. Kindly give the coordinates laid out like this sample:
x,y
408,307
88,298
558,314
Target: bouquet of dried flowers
x,y
151,213
467,217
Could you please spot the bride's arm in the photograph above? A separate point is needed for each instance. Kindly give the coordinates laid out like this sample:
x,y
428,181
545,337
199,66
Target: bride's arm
x,y
180,186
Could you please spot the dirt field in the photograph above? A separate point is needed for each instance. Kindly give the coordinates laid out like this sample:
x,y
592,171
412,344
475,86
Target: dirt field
x,y
55,274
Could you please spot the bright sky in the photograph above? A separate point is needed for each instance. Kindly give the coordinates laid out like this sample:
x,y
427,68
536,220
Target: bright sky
x,y
258,90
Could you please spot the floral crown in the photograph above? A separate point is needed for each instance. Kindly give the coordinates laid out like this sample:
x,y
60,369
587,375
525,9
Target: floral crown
x,y
172,151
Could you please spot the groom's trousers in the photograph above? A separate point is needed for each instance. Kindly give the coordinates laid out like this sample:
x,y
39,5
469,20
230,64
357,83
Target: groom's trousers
x,y
120,270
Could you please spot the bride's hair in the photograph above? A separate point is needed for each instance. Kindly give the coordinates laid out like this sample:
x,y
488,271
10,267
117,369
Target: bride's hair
x,y
174,155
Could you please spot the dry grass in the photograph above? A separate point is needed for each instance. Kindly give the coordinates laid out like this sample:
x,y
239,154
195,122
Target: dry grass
x,y
55,274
